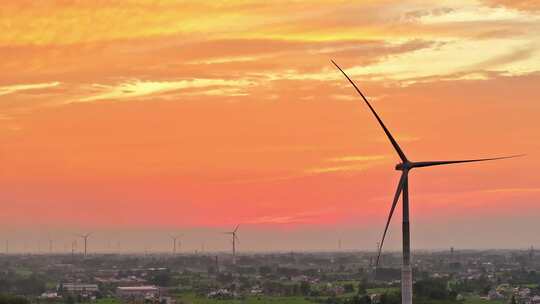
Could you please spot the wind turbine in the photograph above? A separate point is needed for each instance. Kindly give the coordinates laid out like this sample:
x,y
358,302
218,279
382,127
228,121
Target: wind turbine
x,y
234,239
85,238
403,188
174,238
73,246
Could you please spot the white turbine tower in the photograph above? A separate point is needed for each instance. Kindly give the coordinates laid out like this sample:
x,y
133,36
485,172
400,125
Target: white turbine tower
x,y
85,238
234,240
176,240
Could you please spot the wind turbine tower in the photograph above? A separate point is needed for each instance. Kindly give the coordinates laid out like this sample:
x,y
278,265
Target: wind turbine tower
x,y
73,245
85,238
405,166
234,239
175,239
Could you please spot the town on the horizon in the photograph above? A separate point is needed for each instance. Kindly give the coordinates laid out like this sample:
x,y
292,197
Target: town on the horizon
x,y
465,276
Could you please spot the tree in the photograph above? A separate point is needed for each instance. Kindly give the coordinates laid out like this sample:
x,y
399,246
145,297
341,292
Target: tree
x,y
390,298
162,278
69,299
432,289
7,299
365,299
32,285
348,288
362,286
305,288
265,270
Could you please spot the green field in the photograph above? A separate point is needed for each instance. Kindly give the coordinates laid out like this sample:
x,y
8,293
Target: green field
x,y
383,290
478,300
23,272
191,298
108,301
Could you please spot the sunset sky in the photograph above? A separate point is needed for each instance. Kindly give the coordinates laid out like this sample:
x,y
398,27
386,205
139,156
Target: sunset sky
x,y
134,119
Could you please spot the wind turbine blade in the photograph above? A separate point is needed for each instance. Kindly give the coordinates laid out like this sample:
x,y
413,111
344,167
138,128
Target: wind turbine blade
x,y
391,213
235,229
381,123
449,162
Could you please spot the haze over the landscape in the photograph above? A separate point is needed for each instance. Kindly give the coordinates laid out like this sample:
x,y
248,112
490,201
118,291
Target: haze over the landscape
x,y
134,120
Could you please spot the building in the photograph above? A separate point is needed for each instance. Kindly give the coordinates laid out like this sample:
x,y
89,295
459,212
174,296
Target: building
x,y
50,296
220,294
137,292
535,300
78,288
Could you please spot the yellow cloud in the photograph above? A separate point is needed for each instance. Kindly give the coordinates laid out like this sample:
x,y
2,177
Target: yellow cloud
x,y
355,163
66,22
25,87
139,88
337,169
356,158
476,14
449,59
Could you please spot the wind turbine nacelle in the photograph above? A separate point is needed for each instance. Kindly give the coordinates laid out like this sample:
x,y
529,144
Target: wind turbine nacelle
x,y
405,166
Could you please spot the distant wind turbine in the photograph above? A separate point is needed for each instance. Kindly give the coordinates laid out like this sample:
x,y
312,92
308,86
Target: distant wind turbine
x,y
403,187
85,238
175,239
73,246
234,239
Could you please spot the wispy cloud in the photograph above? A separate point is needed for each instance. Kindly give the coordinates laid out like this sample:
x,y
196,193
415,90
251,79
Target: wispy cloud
x,y
336,169
10,89
354,163
472,14
524,5
298,218
512,190
140,88
358,158
278,220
